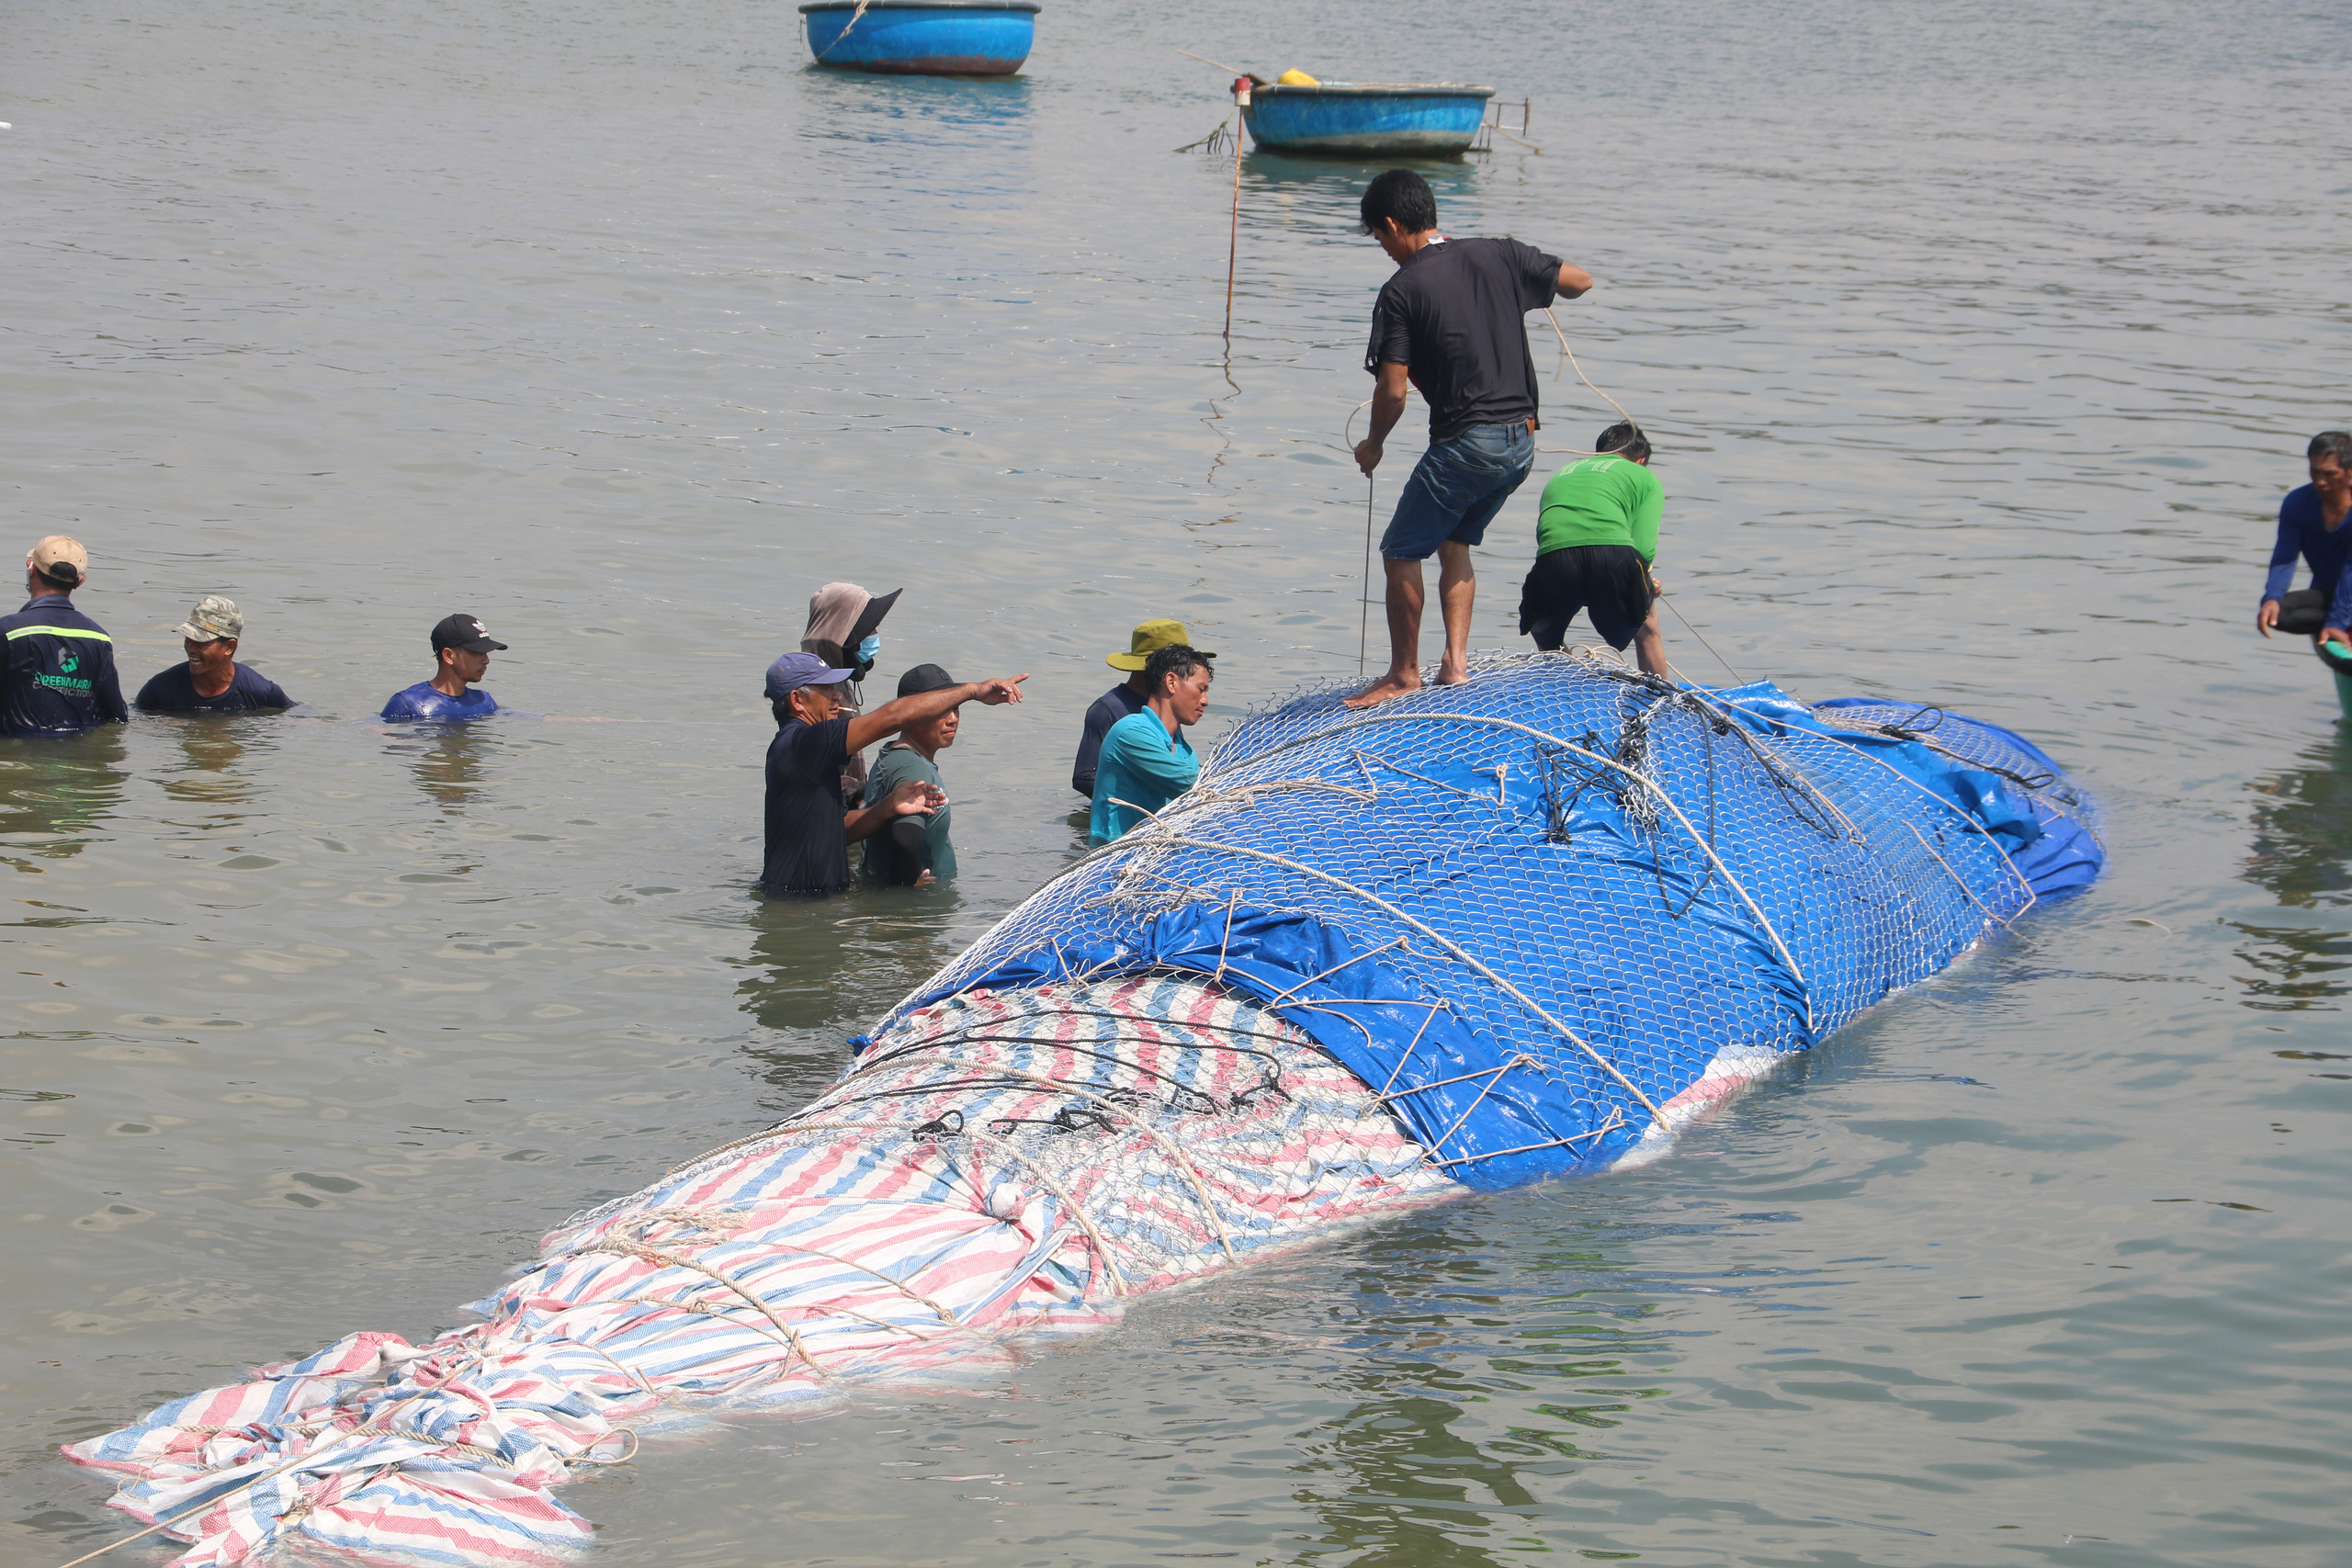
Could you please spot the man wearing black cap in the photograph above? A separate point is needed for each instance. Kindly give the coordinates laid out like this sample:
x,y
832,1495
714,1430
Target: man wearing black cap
x,y
809,834
461,649
914,850
57,673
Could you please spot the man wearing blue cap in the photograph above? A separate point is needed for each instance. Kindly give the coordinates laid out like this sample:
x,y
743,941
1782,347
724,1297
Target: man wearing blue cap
x,y
809,834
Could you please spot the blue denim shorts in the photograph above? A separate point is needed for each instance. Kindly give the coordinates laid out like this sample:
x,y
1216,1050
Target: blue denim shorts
x,y
1457,488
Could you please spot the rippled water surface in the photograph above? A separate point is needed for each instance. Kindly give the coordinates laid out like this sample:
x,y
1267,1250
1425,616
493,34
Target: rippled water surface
x,y
1978,341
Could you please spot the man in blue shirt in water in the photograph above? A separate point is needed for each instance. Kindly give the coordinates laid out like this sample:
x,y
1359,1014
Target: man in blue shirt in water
x,y
2312,526
461,648
58,676
209,680
1146,762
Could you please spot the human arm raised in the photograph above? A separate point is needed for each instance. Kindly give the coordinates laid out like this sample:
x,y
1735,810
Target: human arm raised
x,y
865,728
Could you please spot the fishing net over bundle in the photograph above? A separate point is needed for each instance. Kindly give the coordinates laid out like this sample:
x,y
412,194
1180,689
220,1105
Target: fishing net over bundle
x,y
1539,907
1519,927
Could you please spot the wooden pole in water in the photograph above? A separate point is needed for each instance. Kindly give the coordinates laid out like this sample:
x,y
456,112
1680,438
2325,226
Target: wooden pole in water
x,y
1233,243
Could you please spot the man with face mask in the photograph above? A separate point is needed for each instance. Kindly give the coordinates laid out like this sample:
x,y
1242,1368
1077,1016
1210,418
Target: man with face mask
x,y
844,630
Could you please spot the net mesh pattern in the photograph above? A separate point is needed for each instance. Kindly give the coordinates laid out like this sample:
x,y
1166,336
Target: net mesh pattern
x,y
1608,882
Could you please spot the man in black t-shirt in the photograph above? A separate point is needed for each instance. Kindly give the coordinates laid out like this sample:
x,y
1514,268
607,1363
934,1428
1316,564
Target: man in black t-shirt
x,y
1451,322
209,680
809,834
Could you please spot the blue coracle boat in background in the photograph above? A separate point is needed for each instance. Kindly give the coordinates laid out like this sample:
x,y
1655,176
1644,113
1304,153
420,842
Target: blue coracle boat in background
x,y
1427,118
923,37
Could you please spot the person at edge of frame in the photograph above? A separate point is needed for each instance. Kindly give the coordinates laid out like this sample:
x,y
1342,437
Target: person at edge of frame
x,y
1147,761
1452,322
808,833
59,676
2310,525
1125,698
1596,540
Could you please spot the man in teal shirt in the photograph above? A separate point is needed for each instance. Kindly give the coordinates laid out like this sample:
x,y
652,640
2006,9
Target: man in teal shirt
x,y
1146,762
1596,539
914,850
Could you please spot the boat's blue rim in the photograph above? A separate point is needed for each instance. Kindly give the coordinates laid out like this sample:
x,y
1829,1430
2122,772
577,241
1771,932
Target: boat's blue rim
x,y
1369,90
922,6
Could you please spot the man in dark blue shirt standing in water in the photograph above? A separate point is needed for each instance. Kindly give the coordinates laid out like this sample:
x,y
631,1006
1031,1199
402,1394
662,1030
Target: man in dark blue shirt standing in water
x,y
461,652
58,678
210,680
2312,526
809,833
1451,322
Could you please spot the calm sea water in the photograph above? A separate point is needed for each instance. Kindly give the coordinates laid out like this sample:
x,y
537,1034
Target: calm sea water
x,y
1979,342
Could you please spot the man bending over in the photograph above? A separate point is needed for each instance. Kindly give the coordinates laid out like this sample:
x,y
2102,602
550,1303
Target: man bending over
x,y
1595,538
1453,323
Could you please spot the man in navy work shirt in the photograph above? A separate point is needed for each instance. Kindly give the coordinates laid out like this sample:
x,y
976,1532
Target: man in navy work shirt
x,y
59,677
461,652
1451,322
809,833
1125,698
210,680
2312,526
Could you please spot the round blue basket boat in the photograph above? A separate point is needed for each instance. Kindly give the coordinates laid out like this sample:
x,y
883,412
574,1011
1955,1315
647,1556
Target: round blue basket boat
x,y
923,37
1360,118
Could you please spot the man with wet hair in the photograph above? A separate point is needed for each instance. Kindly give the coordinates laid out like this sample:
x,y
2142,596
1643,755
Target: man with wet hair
x,y
1146,761
1451,322
2312,526
58,677
808,833
1596,539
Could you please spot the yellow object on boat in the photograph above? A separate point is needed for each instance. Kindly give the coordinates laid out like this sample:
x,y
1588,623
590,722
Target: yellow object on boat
x,y
1294,77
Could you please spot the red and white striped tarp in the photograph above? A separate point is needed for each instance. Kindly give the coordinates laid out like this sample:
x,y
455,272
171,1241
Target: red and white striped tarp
x,y
995,1167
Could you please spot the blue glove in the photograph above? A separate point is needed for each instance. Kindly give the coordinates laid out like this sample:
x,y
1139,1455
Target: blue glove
x,y
869,648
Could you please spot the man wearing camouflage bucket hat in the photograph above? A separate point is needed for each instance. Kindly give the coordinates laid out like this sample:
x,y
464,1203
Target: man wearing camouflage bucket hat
x,y
210,680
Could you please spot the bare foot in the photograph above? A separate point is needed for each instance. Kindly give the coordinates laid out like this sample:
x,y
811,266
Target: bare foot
x,y
1452,671
1388,689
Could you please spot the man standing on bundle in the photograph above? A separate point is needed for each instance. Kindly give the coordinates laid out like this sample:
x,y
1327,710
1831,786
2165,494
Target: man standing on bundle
x,y
1451,322
58,677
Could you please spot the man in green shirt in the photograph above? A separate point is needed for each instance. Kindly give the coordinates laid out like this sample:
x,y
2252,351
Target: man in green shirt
x,y
1596,539
913,851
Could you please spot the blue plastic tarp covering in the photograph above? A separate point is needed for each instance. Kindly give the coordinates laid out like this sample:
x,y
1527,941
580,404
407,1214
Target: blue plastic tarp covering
x,y
1546,911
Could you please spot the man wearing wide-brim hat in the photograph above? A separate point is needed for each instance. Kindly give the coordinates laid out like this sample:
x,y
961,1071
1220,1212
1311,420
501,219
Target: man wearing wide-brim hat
x,y
1125,698
57,673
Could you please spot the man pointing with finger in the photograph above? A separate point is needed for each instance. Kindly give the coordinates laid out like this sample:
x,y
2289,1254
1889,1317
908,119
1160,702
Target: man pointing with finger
x,y
809,834
1452,323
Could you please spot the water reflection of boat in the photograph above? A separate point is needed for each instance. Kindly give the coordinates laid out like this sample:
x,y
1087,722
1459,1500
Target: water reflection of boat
x,y
1349,118
923,37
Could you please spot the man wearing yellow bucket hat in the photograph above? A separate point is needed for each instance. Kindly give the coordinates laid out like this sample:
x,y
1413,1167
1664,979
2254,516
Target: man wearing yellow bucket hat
x,y
1125,698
